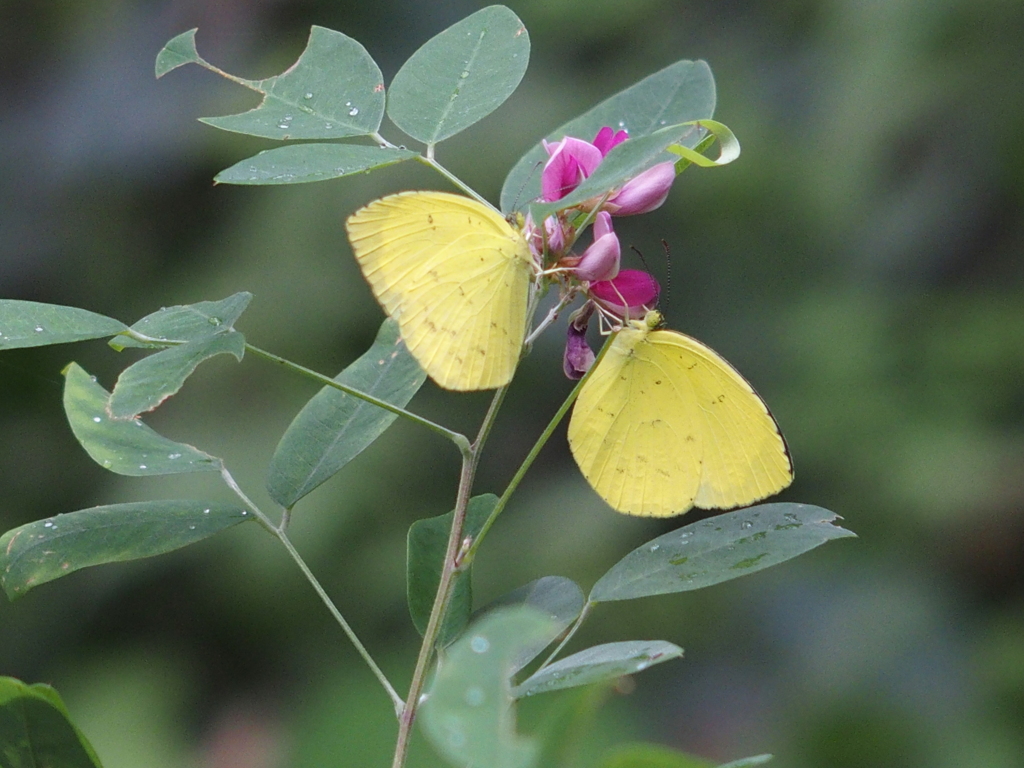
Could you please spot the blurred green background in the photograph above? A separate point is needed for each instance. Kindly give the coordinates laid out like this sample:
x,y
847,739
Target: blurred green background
x,y
861,264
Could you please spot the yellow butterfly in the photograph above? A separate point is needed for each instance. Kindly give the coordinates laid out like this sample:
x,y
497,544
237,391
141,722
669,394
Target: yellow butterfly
x,y
664,424
455,276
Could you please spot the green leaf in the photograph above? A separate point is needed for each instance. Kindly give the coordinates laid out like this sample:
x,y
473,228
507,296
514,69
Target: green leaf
x,y
186,322
730,148
469,715
559,598
333,428
628,159
45,550
179,50
32,324
142,386
642,755
746,762
334,90
126,447
718,549
301,163
681,92
460,76
597,664
427,544
36,731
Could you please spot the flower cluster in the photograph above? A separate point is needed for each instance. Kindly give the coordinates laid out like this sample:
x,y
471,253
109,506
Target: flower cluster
x,y
610,291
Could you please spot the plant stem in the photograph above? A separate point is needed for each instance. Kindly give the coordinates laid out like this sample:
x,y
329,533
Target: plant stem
x,y
429,160
568,636
459,439
470,460
396,700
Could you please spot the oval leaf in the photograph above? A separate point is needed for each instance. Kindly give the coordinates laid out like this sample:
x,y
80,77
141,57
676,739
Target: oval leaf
x,y
126,447
679,93
642,755
460,76
32,324
468,714
301,163
426,546
142,386
718,549
559,598
45,550
747,762
594,665
186,322
36,731
333,428
333,91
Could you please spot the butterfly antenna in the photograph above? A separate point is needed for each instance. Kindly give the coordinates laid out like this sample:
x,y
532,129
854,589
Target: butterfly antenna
x,y
519,194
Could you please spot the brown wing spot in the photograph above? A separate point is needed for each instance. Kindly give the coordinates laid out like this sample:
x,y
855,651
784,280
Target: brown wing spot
x,y
657,381
691,439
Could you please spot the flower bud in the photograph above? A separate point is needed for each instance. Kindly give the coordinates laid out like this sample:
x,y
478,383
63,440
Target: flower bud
x,y
645,192
578,356
601,260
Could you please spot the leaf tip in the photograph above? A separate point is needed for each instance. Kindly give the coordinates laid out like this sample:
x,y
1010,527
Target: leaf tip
x,y
179,50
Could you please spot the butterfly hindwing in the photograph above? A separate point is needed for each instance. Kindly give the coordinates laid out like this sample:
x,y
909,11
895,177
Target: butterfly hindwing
x,y
455,276
664,423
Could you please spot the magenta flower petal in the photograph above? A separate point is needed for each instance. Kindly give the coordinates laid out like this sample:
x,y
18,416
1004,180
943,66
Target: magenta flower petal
x,y
571,161
606,139
630,294
645,192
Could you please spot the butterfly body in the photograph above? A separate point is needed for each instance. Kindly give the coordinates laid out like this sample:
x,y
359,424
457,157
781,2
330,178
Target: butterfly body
x,y
664,423
455,276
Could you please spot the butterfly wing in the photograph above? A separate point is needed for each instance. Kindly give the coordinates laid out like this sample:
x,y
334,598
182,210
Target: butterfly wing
x,y
665,423
455,276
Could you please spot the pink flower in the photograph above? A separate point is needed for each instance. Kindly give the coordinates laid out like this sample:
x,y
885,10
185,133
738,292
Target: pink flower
x,y
601,260
629,295
643,193
570,161
606,140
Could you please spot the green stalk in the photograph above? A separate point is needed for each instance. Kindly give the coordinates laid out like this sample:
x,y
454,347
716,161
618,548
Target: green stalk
x,y
530,458
278,531
429,160
459,439
470,461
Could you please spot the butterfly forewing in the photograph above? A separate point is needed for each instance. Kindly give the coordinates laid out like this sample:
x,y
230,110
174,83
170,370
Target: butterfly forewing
x,y
455,276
